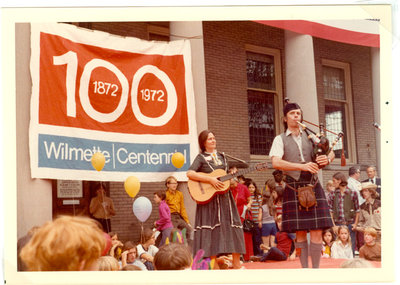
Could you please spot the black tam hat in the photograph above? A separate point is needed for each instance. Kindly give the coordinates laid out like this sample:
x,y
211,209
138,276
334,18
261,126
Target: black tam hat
x,y
289,107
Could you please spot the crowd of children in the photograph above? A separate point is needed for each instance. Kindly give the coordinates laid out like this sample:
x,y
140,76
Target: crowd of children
x,y
78,243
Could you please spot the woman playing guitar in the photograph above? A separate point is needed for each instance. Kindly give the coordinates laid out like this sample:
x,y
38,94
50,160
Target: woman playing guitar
x,y
218,229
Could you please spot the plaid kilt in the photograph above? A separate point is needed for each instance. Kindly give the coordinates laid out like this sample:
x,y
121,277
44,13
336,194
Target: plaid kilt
x,y
299,219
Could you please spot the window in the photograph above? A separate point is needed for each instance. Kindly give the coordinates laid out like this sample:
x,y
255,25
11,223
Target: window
x,y
338,106
264,97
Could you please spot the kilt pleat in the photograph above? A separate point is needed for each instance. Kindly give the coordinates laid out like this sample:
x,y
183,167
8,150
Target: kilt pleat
x,y
295,218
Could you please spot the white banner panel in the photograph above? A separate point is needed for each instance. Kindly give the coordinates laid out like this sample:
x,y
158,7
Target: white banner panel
x,y
130,99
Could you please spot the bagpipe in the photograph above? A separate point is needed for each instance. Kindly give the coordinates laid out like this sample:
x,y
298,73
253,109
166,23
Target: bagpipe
x,y
320,141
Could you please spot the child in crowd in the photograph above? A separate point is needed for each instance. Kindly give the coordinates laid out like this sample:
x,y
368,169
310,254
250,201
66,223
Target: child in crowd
x,y
164,223
356,263
269,229
371,250
329,188
173,256
130,267
285,248
328,237
147,250
256,213
129,256
341,248
116,246
65,244
276,197
107,263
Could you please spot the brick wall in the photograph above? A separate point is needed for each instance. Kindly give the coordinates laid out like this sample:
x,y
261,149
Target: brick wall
x,y
226,82
361,79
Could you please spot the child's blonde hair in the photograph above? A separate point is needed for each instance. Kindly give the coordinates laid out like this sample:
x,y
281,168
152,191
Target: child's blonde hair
x,y
371,231
107,263
329,183
173,256
65,244
346,229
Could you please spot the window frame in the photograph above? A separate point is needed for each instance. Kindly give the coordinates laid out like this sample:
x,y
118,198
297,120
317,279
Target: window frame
x,y
348,107
278,93
157,30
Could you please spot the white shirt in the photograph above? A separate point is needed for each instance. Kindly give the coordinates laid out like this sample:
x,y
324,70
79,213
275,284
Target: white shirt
x,y
151,251
277,148
339,250
355,185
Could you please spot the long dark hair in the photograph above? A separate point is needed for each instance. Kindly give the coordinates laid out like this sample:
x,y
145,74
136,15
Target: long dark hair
x,y
202,139
249,181
340,176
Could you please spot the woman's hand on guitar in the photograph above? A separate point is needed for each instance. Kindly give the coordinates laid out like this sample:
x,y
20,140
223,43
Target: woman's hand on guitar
x,y
217,184
311,167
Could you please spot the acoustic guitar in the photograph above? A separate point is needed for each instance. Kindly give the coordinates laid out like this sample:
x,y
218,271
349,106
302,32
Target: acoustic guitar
x,y
202,192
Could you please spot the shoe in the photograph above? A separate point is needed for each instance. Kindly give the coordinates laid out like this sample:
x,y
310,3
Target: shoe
x,y
255,258
356,252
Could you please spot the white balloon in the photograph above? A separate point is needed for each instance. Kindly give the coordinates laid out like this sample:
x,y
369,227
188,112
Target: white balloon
x,y
142,208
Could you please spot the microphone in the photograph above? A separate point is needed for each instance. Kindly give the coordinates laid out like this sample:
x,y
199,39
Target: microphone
x,y
377,126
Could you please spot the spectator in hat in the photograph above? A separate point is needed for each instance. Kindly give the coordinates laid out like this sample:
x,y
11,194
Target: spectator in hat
x,y
371,173
370,210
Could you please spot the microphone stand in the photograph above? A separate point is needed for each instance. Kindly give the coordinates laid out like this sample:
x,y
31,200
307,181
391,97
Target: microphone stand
x,y
238,159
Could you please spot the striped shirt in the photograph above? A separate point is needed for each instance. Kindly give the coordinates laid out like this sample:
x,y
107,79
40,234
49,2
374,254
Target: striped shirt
x,y
255,207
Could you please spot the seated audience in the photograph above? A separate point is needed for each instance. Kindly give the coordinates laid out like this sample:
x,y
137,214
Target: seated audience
x,y
129,256
107,263
328,237
130,267
284,249
173,256
20,244
371,250
65,244
356,263
147,250
341,248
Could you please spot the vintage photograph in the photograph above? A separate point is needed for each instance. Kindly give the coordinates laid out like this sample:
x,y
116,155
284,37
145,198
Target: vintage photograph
x,y
232,140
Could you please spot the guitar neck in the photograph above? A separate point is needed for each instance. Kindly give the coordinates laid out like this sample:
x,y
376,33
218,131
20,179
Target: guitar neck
x,y
240,172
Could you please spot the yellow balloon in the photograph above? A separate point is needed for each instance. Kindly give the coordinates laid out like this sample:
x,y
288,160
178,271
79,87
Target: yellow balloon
x,y
178,160
132,186
98,161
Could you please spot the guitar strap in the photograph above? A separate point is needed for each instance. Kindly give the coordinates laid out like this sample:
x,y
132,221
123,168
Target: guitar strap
x,y
223,156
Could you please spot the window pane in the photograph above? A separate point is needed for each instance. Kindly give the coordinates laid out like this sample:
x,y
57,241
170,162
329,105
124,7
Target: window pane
x,y
335,118
261,121
333,82
260,71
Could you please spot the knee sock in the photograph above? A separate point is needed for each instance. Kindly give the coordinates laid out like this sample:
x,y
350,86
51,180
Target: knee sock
x,y
315,252
304,253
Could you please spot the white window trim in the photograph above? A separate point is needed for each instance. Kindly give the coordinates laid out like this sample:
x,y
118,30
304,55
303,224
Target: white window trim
x,y
350,136
278,93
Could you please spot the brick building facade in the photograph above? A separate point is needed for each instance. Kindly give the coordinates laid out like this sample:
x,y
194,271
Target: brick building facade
x,y
225,44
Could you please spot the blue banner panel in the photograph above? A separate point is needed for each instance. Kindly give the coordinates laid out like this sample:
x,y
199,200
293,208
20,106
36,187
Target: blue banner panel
x,y
62,152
